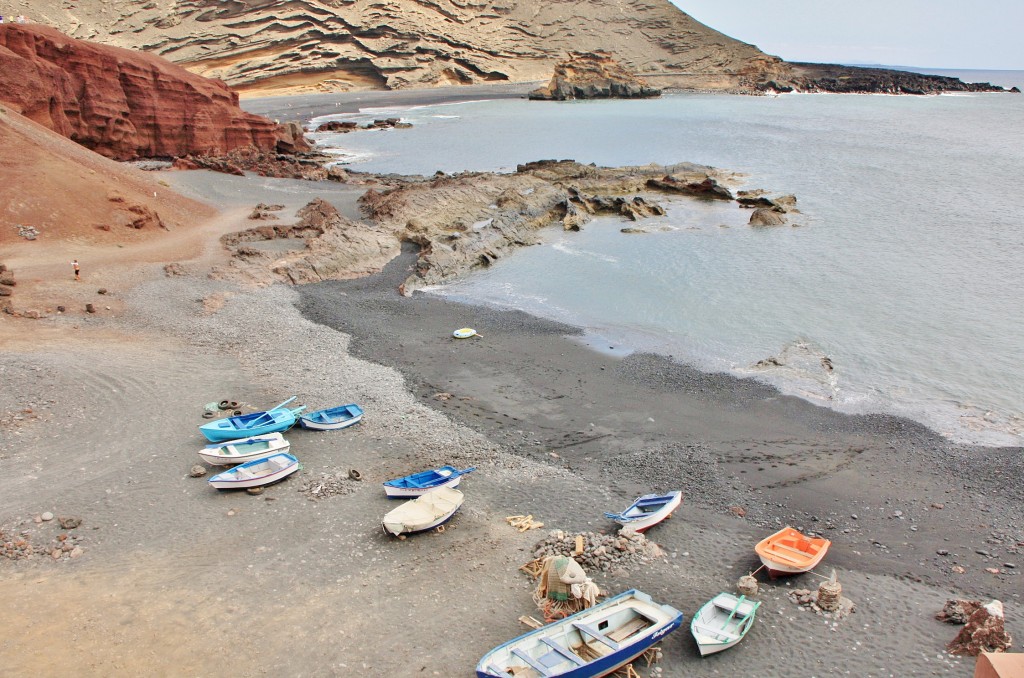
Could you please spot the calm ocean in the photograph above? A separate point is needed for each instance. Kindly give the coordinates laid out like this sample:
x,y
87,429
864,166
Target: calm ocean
x,y
906,269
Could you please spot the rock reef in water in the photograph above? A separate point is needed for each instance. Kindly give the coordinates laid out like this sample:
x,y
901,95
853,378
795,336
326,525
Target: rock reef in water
x,y
838,79
594,75
127,105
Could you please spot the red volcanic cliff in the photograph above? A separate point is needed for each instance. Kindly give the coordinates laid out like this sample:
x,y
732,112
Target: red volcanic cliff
x,y
125,104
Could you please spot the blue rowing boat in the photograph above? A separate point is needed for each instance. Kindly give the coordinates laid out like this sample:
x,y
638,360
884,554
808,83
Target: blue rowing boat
x,y
277,419
418,483
332,418
647,511
588,644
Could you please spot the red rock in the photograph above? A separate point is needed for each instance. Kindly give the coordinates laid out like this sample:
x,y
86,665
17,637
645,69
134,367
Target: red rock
x,y
125,104
984,632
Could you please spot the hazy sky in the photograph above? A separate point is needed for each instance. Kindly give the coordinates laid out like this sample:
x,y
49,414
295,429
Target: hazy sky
x,y
927,33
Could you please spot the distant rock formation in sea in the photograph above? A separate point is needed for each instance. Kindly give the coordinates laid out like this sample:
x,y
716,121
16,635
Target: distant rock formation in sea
x,y
126,104
856,79
593,75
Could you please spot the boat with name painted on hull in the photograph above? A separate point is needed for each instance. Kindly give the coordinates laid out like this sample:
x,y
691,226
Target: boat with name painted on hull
x,y
595,642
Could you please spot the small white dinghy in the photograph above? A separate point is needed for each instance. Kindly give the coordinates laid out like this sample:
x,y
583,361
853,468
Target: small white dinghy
x,y
256,473
425,512
244,449
722,622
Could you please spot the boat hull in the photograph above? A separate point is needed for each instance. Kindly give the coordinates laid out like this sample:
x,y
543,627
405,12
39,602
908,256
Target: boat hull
x,y
230,480
332,419
413,492
215,455
495,664
219,432
423,513
788,552
722,623
643,522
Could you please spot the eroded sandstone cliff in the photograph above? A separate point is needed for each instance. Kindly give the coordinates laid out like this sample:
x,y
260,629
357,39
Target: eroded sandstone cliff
x,y
126,104
593,75
333,45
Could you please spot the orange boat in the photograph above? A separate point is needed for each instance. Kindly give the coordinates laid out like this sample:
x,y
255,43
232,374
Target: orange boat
x,y
790,552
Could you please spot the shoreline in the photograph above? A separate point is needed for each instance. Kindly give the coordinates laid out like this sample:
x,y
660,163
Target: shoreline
x,y
556,430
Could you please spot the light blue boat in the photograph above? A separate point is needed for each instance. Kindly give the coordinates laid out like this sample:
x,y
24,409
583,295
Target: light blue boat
x,y
279,418
591,643
332,418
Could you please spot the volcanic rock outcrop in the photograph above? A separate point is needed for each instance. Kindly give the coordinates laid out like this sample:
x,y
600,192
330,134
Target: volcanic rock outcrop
x,y
593,75
126,105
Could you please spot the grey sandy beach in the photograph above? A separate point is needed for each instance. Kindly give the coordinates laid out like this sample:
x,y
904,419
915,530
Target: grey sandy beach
x,y
175,578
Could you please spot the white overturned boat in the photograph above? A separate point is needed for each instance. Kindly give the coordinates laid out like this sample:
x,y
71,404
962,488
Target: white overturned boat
x,y
256,473
426,512
722,622
244,449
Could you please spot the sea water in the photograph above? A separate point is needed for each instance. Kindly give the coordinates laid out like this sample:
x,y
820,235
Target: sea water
x,y
897,288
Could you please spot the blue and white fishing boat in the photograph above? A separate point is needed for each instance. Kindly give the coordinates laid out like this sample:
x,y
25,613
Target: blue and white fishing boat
x,y
416,484
591,643
244,449
722,622
425,512
647,511
332,418
279,418
256,473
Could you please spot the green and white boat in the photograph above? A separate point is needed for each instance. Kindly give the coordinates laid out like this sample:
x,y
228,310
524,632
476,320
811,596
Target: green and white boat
x,y
722,622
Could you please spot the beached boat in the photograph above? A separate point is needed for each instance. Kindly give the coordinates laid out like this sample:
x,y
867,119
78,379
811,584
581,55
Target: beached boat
x,y
418,483
256,473
722,622
277,419
244,449
594,642
332,418
425,512
790,552
647,511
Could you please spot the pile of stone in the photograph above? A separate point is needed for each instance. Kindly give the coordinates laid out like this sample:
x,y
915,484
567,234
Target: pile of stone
x,y
28,232
602,552
827,601
984,627
328,485
7,284
63,546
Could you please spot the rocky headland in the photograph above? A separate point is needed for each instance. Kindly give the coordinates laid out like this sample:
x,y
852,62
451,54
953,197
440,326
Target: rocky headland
x,y
593,75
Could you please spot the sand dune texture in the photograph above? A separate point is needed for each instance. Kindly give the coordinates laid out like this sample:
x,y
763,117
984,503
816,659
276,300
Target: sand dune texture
x,y
327,45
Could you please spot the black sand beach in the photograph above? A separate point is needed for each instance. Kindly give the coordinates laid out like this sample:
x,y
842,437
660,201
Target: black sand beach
x,y
643,423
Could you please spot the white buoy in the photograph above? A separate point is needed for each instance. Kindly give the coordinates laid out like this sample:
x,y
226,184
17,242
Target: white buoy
x,y
464,333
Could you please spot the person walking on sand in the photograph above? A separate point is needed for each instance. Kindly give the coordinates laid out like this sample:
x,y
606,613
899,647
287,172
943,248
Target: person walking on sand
x,y
77,268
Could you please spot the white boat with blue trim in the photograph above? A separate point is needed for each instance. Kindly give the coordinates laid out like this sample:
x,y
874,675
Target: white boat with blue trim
x,y
647,511
595,642
256,473
722,622
332,418
244,449
417,484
